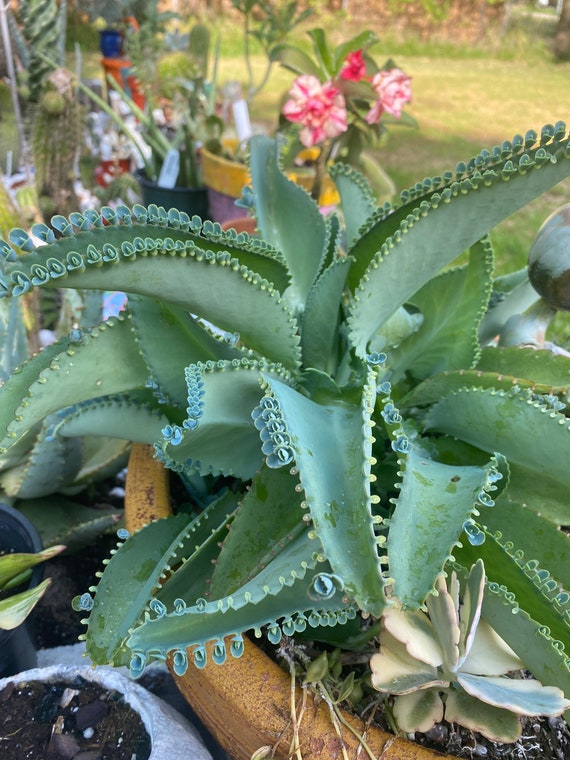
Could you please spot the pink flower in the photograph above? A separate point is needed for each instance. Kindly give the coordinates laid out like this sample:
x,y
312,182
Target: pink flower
x,y
353,67
319,108
393,89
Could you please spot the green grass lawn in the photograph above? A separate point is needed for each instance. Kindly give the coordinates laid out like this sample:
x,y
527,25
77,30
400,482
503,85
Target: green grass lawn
x,y
464,99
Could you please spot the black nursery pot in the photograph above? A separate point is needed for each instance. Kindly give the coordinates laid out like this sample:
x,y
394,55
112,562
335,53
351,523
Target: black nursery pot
x,y
17,534
192,200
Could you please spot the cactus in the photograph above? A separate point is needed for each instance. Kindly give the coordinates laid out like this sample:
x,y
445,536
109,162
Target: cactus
x,y
350,383
41,30
56,139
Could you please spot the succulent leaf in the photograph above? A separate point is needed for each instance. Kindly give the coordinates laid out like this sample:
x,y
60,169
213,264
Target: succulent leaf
x,y
329,437
434,503
523,696
452,305
16,608
517,424
493,722
401,264
302,246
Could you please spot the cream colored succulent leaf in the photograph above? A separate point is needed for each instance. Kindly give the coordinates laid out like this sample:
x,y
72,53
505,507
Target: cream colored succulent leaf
x,y
418,711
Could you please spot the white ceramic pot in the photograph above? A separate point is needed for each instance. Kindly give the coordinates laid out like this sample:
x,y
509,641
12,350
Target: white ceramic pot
x,y
172,736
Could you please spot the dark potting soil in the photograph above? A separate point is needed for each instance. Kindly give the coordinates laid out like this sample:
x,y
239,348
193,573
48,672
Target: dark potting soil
x,y
76,720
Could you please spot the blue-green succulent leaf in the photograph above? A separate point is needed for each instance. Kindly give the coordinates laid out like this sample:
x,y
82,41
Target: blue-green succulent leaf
x,y
329,439
527,429
288,219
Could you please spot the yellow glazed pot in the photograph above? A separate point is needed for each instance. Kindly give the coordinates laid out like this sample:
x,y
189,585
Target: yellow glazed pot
x,y
248,702
225,180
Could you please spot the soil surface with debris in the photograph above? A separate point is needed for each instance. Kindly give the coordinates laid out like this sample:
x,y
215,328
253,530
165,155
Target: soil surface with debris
x,y
542,739
75,720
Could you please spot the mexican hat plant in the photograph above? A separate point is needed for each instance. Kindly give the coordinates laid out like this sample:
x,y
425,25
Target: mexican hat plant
x,y
350,381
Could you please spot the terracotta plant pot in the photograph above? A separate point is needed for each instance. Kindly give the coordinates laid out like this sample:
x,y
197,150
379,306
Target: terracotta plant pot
x,y
247,702
225,179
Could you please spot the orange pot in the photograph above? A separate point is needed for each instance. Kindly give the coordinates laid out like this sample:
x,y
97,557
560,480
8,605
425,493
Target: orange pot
x,y
247,702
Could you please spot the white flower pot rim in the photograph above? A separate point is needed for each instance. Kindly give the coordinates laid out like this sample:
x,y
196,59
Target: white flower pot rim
x,y
172,736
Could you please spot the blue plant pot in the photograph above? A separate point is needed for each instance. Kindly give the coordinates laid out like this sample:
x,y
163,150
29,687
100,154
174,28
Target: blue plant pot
x,y
111,43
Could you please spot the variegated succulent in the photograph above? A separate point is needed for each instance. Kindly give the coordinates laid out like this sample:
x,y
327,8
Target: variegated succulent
x,y
15,569
449,659
347,377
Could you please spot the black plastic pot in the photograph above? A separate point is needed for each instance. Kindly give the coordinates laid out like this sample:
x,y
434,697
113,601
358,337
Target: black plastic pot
x,y
17,534
192,200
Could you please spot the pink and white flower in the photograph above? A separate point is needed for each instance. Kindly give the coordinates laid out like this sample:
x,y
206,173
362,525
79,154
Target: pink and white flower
x,y
393,88
353,67
319,107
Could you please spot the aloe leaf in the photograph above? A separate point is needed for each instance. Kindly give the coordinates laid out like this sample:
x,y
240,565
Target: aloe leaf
x,y
300,233
357,201
15,609
524,428
218,434
452,305
277,521
328,438
424,244
188,342
319,326
434,503
104,361
13,565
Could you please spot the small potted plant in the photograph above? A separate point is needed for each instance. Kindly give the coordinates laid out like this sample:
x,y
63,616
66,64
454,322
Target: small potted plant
x,y
354,418
21,587
178,116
